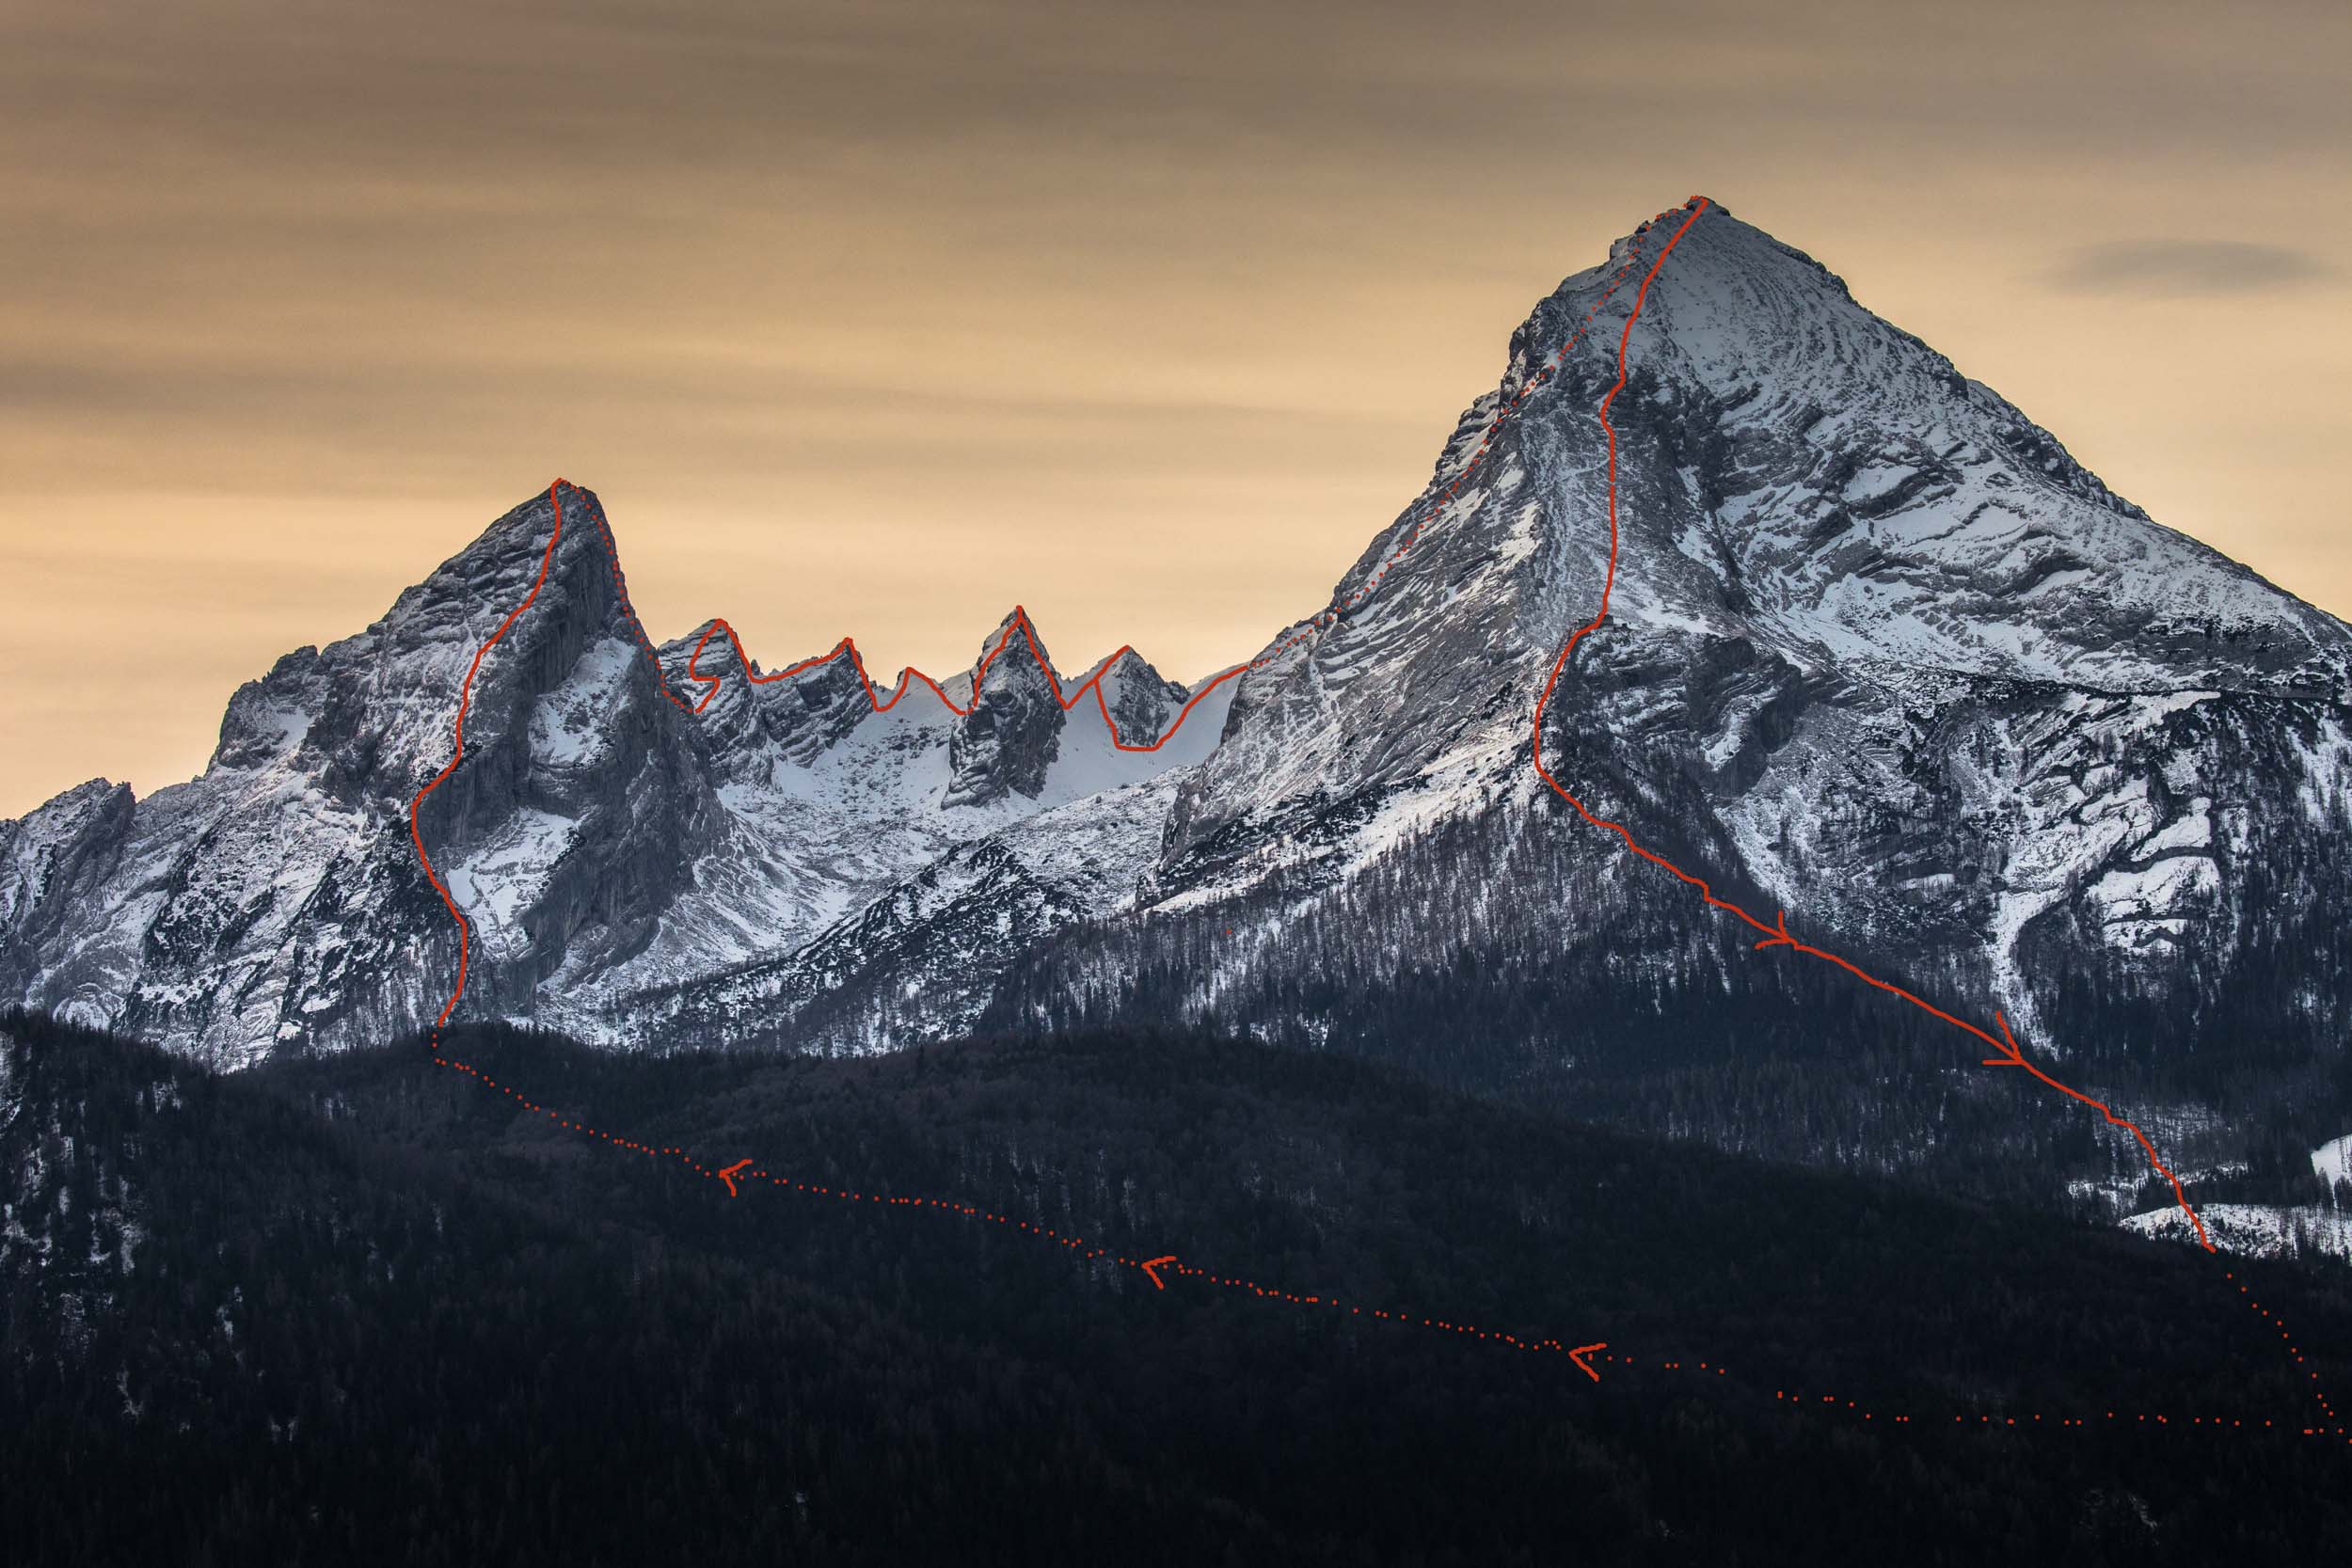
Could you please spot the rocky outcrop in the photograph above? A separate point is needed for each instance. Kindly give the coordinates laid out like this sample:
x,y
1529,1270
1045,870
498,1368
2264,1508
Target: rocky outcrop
x,y
1007,744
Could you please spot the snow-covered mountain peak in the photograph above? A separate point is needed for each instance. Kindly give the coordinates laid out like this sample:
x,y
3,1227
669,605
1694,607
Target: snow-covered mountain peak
x,y
1855,497
1802,487
1743,311
503,566
1806,473
1141,702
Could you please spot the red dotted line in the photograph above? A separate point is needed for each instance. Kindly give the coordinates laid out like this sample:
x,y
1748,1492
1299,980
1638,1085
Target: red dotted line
x,y
745,1170
1837,1405
1585,1356
2035,1418
2332,1425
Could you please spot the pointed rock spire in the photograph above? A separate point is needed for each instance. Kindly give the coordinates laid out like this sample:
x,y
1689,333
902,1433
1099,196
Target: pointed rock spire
x,y
1011,737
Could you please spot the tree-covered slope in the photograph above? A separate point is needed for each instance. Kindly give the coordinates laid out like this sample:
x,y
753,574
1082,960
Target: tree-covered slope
x,y
367,1310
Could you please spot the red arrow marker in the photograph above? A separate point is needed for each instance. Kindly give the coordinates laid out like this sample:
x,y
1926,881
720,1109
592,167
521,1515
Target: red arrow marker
x,y
1583,1366
2010,1055
1153,1268
727,1175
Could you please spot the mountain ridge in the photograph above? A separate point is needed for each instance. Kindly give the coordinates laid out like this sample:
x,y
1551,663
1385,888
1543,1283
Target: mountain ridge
x,y
1877,641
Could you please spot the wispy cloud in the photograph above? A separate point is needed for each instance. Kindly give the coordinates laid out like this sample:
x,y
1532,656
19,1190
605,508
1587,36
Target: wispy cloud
x,y
2171,266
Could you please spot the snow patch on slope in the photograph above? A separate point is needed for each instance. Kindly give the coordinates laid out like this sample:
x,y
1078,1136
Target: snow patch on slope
x,y
2255,1229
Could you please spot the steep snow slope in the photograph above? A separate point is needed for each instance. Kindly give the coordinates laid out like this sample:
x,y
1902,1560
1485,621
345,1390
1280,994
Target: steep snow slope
x,y
1895,659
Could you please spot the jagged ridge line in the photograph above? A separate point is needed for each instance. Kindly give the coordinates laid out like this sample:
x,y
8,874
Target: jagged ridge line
x,y
906,676
1320,622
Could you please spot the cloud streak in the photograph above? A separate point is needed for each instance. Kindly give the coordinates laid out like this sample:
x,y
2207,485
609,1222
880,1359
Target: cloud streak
x,y
2176,267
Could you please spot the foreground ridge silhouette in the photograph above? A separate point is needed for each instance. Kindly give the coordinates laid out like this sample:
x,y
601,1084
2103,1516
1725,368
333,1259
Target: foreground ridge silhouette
x,y
732,1177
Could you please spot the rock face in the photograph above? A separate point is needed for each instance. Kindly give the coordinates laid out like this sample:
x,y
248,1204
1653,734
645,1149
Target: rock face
x,y
1007,745
1878,652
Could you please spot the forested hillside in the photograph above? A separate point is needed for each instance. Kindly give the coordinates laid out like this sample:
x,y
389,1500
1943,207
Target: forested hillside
x,y
365,1310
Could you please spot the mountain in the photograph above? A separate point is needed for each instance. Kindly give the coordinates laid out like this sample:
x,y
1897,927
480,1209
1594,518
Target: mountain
x,y
607,837
1878,653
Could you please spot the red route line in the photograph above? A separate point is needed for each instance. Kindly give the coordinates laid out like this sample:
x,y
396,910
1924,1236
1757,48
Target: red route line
x,y
1320,622
743,1170
2029,1419
1775,936
464,700
1585,1356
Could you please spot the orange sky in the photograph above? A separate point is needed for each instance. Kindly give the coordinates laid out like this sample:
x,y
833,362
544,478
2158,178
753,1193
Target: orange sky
x,y
878,317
